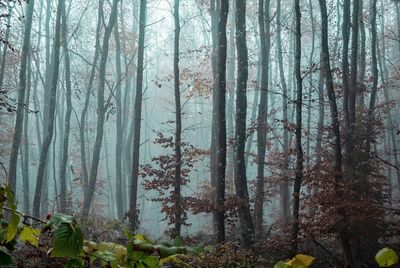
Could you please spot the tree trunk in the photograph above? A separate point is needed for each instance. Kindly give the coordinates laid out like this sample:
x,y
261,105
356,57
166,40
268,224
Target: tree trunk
x,y
50,114
178,127
220,122
101,110
375,75
68,94
335,126
242,194
118,147
284,187
87,98
299,149
133,220
12,171
265,40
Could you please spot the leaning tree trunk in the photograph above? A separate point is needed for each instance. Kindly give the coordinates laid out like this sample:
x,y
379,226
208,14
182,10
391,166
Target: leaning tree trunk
x,y
242,194
133,220
101,110
12,171
335,126
82,120
265,40
51,113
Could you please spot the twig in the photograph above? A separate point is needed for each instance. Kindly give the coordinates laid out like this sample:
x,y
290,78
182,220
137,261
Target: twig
x,y
24,215
4,168
324,248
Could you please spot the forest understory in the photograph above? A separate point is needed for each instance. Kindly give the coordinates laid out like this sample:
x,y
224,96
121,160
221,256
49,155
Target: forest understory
x,y
200,133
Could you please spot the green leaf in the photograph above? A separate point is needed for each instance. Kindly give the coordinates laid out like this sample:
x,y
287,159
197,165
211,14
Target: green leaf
x,y
5,258
151,262
30,235
74,263
58,219
67,241
12,227
386,257
105,255
178,241
281,264
10,197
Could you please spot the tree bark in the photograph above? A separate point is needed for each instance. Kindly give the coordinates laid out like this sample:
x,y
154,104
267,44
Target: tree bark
x,y
67,122
242,194
220,122
51,114
178,125
12,170
133,220
265,40
299,150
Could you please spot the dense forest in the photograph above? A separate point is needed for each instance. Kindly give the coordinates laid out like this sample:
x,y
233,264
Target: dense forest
x,y
199,133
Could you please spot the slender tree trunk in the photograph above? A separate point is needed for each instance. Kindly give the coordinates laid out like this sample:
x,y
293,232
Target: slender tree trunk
x,y
133,220
51,114
299,149
375,75
6,44
265,40
335,126
361,58
12,171
67,122
284,187
87,98
101,110
220,122
25,173
178,127
118,147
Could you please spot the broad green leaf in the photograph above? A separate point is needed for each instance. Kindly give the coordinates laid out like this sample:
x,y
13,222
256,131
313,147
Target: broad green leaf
x,y
105,255
151,262
12,227
386,257
67,241
58,219
178,241
74,263
140,237
30,235
5,258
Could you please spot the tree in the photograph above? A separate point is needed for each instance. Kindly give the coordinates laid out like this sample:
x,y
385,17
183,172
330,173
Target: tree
x,y
101,110
299,149
335,124
245,220
178,125
220,122
12,171
137,119
51,113
67,123
265,40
